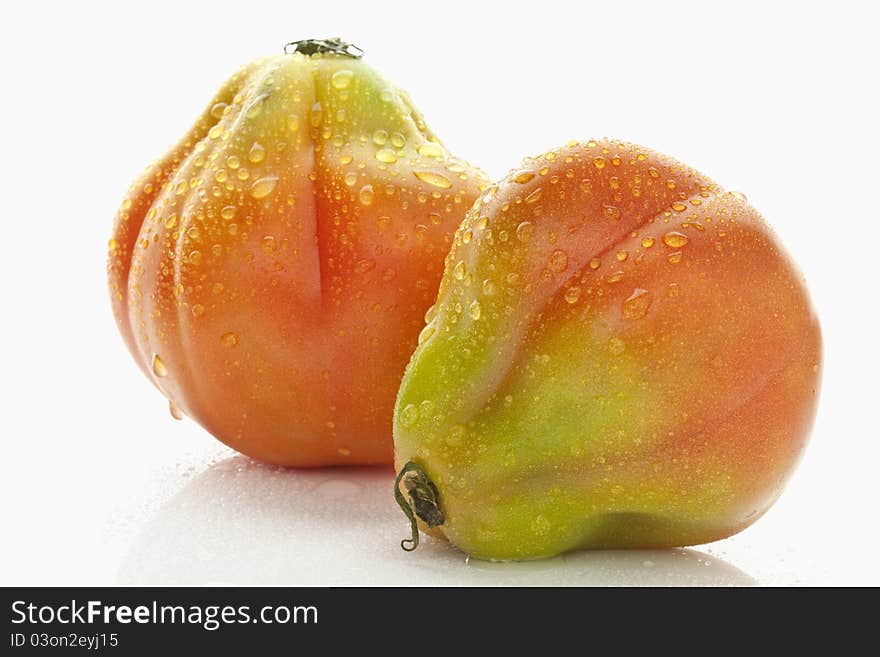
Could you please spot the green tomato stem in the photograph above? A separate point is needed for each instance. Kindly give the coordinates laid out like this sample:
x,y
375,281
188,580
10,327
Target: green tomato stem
x,y
422,501
318,46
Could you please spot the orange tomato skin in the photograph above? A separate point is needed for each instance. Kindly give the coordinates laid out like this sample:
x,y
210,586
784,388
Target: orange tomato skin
x,y
270,274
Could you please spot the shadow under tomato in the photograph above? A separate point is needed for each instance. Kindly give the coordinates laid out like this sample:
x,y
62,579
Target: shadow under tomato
x,y
241,522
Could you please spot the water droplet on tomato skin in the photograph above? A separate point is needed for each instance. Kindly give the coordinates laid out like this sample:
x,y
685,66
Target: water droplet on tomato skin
x,y
409,415
316,115
434,179
158,366
525,231
475,310
366,195
430,149
637,304
558,261
342,79
675,239
176,413
264,186
427,332
257,153
386,156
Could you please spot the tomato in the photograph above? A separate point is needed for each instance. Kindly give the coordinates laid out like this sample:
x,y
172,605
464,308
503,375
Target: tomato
x,y
621,355
271,272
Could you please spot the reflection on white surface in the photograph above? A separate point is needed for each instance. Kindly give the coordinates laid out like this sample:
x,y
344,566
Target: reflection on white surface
x,y
240,522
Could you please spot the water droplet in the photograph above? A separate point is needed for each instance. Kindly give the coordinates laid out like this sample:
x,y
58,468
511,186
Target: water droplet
x,y
195,257
350,178
678,206
611,212
459,270
739,196
621,256
614,277
675,258
675,239
599,162
616,346
215,132
409,415
653,172
113,244
427,332
229,339
430,149
386,155
559,261
594,263
397,140
158,366
228,212
523,177
637,304
197,310
380,137
525,231
257,153
217,110
233,162
365,265
292,122
647,242
534,197
262,187
255,108
475,310
316,115
572,294
435,179
171,222
341,79
488,287
366,195
176,413
269,243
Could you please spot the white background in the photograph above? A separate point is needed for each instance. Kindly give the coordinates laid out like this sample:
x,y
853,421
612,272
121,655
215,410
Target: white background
x,y
100,485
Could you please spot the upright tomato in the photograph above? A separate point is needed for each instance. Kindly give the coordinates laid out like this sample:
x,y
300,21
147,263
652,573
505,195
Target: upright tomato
x,y
621,355
271,272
